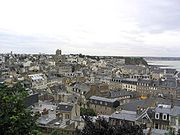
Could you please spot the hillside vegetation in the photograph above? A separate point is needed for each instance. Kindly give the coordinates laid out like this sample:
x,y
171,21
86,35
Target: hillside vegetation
x,y
135,61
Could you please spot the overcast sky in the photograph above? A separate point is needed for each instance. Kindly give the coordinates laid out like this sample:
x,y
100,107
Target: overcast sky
x,y
94,27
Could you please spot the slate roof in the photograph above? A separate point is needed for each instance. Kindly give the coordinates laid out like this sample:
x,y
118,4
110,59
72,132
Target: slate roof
x,y
82,87
169,83
175,111
178,74
150,82
64,107
148,113
36,77
2,80
129,81
45,120
169,76
58,88
168,110
132,106
120,93
157,71
170,71
103,99
124,115
72,98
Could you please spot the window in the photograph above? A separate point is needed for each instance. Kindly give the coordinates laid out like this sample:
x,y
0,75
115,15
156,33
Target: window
x,y
157,116
164,116
67,116
156,126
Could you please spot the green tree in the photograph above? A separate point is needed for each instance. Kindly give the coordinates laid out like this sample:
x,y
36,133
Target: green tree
x,y
178,132
56,132
171,132
14,117
102,127
87,111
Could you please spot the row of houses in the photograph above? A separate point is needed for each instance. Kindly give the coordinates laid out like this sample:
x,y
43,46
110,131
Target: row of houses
x,y
149,114
61,84
146,87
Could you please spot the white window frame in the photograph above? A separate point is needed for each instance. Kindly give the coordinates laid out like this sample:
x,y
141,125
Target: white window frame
x,y
157,114
165,116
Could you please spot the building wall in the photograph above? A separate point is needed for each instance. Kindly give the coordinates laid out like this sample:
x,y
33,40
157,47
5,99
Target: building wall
x,y
75,111
169,91
40,85
119,121
115,85
175,124
64,115
100,109
129,87
65,69
156,76
146,90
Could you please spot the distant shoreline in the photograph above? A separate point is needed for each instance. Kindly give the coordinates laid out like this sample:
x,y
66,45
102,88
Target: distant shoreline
x,y
165,64
159,66
162,58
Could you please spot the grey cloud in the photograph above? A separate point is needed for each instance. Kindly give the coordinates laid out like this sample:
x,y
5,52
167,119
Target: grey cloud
x,y
28,44
158,16
32,44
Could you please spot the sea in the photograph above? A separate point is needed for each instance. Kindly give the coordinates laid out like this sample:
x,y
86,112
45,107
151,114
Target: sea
x,y
165,64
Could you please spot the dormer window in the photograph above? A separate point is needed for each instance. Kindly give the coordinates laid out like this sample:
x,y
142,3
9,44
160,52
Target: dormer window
x,y
164,116
157,116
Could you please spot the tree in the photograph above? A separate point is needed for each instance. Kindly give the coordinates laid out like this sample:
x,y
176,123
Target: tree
x,y
171,132
54,132
14,117
178,132
87,111
102,127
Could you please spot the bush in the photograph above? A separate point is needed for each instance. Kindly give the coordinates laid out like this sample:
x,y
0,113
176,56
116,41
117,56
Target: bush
x,y
88,112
